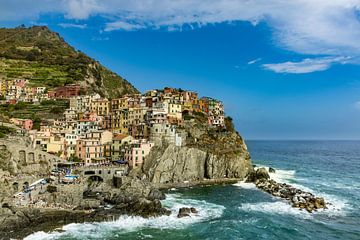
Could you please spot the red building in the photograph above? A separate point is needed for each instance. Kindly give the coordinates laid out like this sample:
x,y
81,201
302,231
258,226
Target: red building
x,y
51,94
68,91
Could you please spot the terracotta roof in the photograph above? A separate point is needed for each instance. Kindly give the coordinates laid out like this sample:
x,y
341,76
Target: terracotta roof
x,y
120,136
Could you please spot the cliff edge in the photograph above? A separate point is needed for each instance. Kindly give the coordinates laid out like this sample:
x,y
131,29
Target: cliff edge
x,y
208,154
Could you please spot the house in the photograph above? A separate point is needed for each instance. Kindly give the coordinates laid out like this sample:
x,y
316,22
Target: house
x,y
56,145
119,121
70,114
136,115
84,126
119,142
94,147
68,91
175,112
26,124
119,103
70,144
165,132
139,131
136,153
100,106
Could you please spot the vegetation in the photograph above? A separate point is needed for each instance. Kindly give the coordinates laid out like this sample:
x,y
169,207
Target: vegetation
x,y
4,131
45,59
45,110
229,125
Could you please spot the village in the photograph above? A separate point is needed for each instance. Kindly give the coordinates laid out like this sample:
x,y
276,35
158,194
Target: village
x,y
95,130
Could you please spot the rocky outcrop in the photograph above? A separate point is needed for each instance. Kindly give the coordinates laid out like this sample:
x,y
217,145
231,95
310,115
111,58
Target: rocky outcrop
x,y
179,164
209,153
81,203
260,173
187,212
296,197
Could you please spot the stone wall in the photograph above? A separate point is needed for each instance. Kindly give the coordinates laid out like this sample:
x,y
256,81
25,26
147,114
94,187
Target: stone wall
x,y
21,164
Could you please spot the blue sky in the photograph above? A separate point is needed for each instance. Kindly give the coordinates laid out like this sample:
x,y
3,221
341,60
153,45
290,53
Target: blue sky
x,y
284,70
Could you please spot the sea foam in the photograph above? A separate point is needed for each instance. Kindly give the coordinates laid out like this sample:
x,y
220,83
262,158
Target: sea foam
x,y
337,206
173,202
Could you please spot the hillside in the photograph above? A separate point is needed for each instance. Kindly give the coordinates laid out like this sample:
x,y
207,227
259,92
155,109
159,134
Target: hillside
x,y
45,59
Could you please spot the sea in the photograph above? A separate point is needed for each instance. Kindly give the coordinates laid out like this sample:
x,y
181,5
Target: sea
x,y
329,169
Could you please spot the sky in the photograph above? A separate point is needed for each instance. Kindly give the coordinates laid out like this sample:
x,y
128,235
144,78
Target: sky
x,y
284,69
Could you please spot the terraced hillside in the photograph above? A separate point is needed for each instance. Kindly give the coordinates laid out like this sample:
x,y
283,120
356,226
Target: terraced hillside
x,y
45,59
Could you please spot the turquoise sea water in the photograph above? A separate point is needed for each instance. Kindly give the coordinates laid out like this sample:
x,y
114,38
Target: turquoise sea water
x,y
330,169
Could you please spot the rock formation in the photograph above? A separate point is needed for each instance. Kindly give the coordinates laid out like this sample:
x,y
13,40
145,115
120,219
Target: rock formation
x,y
296,197
20,164
208,154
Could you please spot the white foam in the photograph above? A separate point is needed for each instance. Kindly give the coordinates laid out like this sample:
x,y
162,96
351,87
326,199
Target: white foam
x,y
128,223
337,206
278,207
283,175
245,185
280,175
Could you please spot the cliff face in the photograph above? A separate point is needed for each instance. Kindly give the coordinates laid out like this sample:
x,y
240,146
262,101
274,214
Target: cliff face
x,y
208,154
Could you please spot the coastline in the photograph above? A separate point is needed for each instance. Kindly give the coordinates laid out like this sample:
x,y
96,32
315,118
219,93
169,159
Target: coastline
x,y
49,219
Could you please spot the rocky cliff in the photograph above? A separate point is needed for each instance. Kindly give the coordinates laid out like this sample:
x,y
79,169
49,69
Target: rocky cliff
x,y
209,153
20,164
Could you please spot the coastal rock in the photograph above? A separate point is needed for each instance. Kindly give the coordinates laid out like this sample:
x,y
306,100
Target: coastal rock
x,y
260,173
179,164
206,153
271,170
193,210
184,212
156,194
296,197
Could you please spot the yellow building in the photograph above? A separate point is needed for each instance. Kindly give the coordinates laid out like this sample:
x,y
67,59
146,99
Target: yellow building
x,y
119,121
136,115
101,107
119,103
175,110
56,145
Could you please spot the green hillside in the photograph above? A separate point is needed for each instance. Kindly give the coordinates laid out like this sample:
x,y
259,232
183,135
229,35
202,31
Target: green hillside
x,y
43,57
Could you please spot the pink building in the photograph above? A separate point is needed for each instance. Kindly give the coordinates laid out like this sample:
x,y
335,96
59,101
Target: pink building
x,y
20,83
26,124
136,153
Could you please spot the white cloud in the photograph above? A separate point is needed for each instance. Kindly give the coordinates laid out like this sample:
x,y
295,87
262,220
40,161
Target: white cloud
x,y
254,61
121,25
307,65
82,9
326,27
72,25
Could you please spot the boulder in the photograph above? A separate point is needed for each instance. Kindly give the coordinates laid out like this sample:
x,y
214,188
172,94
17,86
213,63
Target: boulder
x,y
194,210
271,170
262,173
156,194
184,212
